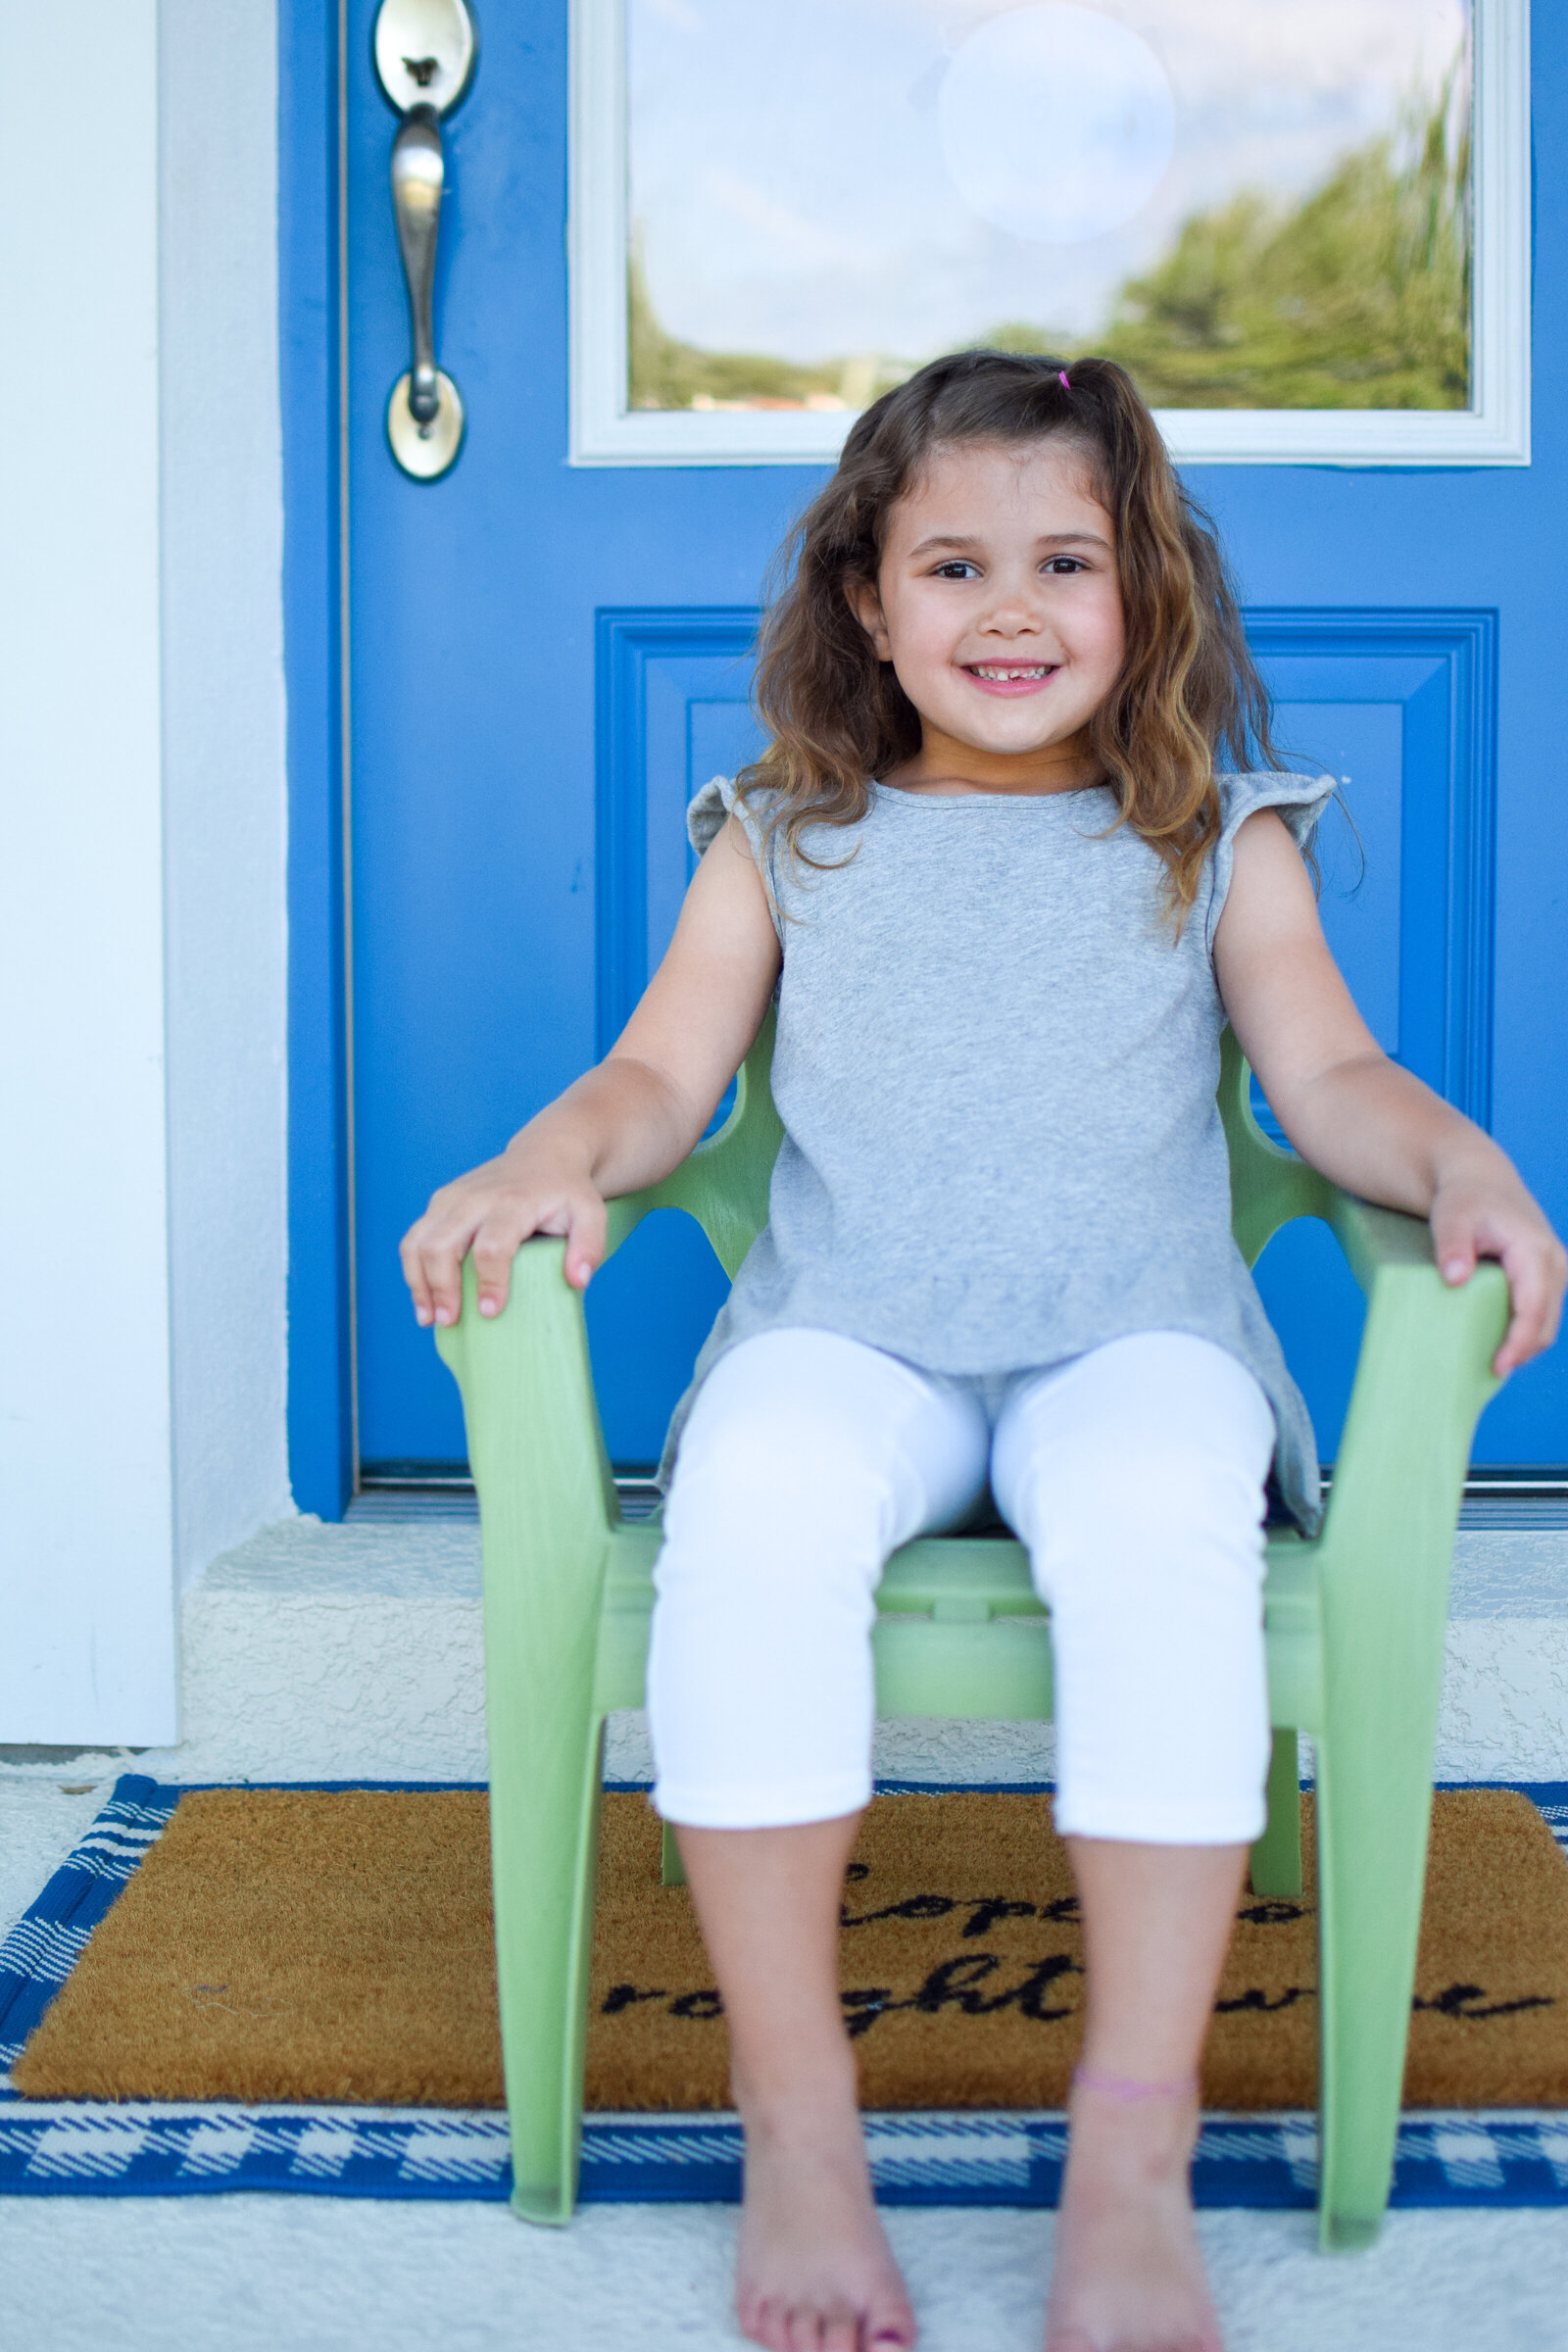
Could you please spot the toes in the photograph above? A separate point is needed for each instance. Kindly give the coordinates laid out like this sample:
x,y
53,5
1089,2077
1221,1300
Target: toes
x,y
782,2328
889,2324
767,2323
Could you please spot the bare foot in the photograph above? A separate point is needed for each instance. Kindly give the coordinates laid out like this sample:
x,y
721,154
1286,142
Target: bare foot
x,y
815,2272
1128,2274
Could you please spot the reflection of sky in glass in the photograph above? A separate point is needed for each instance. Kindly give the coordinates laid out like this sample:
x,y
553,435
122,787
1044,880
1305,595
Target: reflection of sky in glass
x,y
1056,122
787,181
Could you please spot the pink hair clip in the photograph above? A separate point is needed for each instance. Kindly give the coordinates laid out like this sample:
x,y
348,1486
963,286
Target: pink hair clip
x,y
1061,378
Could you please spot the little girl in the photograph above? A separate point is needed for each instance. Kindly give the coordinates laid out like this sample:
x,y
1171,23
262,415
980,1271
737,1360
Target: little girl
x,y
1008,897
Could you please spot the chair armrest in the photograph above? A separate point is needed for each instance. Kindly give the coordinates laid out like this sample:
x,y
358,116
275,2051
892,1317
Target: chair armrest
x,y
724,1182
1375,1240
1425,1367
1423,1375
534,1440
1419,1333
1269,1187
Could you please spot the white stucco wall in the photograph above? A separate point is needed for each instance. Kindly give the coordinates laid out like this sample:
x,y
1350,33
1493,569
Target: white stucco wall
x,y
141,1190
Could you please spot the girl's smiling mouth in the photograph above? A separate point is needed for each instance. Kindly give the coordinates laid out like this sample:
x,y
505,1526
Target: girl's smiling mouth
x,y
1011,677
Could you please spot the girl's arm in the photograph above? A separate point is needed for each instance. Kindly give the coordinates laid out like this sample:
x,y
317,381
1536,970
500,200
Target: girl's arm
x,y
630,1120
1365,1123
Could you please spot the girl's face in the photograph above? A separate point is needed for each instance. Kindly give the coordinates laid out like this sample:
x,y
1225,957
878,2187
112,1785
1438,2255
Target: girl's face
x,y
998,606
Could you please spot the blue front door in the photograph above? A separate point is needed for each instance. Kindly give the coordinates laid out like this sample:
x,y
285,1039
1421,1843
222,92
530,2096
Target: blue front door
x,y
547,658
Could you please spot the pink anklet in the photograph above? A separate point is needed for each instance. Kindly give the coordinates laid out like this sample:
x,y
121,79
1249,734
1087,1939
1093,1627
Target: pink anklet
x,y
1117,2086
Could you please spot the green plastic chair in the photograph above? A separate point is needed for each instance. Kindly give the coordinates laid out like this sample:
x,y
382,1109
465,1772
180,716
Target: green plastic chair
x,y
1354,1632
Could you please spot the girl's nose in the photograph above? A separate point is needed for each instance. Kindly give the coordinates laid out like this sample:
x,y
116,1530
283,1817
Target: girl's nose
x,y
1018,610
1014,619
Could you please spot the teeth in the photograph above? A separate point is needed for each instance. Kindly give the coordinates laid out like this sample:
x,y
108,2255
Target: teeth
x,y
988,669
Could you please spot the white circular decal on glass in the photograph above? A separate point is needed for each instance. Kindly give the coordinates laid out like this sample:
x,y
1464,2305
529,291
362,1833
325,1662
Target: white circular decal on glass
x,y
1057,123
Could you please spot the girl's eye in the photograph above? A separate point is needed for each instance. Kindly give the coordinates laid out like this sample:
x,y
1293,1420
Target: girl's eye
x,y
1062,566
958,567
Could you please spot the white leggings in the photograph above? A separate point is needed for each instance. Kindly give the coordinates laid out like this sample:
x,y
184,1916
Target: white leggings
x,y
1134,1474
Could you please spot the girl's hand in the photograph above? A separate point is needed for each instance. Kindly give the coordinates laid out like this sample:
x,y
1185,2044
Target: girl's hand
x,y
492,1211
1481,1209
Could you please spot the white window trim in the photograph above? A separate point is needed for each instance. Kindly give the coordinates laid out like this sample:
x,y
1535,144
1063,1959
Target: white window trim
x,y
1494,432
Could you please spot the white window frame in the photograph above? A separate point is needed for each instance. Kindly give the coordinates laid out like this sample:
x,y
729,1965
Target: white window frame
x,y
1496,431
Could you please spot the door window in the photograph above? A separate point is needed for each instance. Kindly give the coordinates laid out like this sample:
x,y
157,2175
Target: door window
x,y
1291,220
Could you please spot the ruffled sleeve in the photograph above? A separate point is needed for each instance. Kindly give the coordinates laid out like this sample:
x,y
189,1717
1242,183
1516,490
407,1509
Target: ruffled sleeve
x,y
1300,800
708,811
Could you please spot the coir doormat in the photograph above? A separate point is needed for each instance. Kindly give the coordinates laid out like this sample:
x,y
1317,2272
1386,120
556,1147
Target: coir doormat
x,y
333,1946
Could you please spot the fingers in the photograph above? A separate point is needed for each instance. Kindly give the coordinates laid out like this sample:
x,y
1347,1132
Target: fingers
x,y
415,1276
1530,1256
495,1246
432,1253
1456,1239
469,1219
1534,1268
585,1241
1456,1260
580,1217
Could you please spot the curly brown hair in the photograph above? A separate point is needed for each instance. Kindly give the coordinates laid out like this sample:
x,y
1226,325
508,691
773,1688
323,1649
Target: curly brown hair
x,y
837,717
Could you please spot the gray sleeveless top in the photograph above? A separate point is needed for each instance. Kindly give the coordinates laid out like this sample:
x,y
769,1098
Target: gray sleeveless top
x,y
996,1066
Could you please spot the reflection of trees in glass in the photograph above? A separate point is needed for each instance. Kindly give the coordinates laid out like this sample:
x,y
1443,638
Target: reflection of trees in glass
x,y
1356,297
665,374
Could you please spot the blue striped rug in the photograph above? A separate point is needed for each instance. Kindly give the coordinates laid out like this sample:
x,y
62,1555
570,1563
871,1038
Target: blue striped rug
x,y
77,2149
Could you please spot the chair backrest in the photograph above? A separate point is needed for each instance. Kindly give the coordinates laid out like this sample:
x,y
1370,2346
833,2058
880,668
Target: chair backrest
x,y
724,1182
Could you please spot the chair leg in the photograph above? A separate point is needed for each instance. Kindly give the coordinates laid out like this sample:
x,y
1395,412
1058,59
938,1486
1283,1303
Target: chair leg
x,y
543,1873
545,1514
1276,1867
1422,1376
1372,1847
1385,1601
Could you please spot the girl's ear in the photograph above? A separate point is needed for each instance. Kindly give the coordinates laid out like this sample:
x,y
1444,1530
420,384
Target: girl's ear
x,y
865,603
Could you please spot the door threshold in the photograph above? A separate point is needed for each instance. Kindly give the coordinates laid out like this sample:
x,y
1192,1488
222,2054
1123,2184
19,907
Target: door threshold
x,y
389,1500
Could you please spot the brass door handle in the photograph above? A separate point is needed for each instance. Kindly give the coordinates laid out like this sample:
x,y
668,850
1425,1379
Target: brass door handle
x,y
426,53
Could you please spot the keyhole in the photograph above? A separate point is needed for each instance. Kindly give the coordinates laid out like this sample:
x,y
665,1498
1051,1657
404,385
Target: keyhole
x,y
424,69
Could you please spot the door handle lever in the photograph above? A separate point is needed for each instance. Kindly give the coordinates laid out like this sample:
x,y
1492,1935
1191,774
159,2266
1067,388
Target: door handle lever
x,y
419,175
425,52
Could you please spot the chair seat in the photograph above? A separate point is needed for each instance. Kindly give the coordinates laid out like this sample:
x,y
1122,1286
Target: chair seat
x,y
960,1633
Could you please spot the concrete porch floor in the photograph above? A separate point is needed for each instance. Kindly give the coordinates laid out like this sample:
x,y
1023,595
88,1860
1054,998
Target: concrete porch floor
x,y
319,1653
